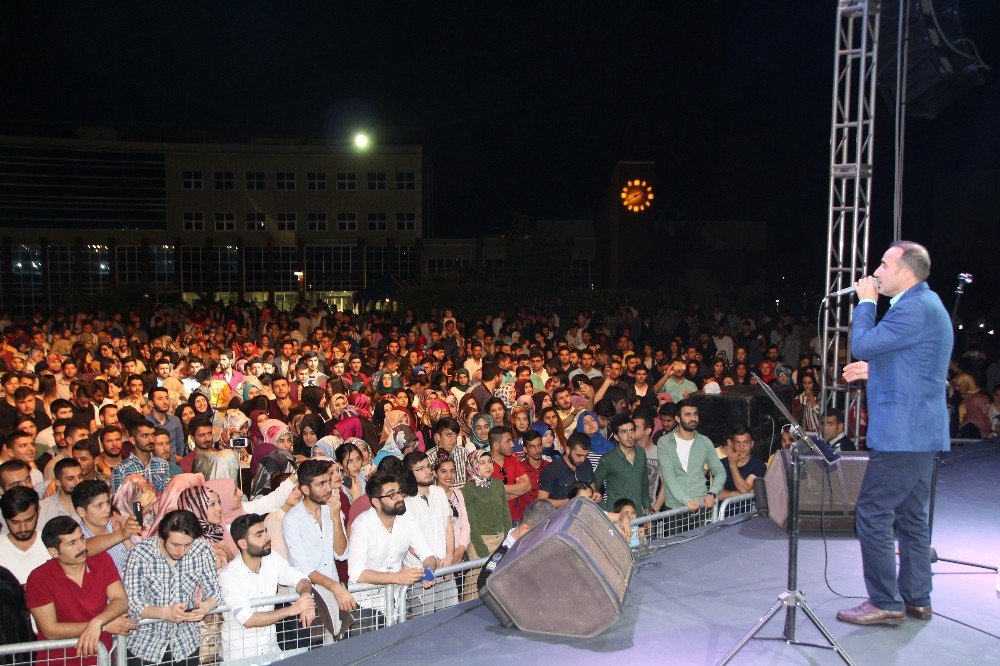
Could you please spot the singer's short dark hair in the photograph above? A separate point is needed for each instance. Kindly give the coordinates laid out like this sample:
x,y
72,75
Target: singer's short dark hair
x,y
916,258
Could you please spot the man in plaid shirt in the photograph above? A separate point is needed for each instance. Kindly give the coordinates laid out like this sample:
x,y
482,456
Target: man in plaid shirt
x,y
171,578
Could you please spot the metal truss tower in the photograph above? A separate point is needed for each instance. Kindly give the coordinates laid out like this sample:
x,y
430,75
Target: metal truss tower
x,y
851,154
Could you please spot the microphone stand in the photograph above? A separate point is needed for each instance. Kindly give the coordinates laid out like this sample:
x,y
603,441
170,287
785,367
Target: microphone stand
x,y
792,597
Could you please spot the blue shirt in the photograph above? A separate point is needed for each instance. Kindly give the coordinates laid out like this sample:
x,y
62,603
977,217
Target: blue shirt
x,y
157,473
174,426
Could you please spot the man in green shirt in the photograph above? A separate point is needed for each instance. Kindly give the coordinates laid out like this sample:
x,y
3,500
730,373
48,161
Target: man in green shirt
x,y
683,454
623,468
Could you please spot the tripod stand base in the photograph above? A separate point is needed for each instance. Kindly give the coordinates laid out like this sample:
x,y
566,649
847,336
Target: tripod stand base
x,y
789,600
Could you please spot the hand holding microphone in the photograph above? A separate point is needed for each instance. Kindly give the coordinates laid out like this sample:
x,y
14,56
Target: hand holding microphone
x,y
866,288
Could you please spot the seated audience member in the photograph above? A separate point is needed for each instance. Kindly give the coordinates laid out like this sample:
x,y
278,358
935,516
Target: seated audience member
x,y
17,445
170,577
21,548
314,533
200,428
683,455
444,434
533,462
534,513
556,479
249,631
507,468
622,471
740,476
104,530
380,539
429,505
15,473
112,440
833,431
74,595
68,474
488,511
142,461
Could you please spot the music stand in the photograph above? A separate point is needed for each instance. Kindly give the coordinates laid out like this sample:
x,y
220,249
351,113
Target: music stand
x,y
792,598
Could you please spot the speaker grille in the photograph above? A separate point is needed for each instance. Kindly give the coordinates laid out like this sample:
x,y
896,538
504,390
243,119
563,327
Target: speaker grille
x,y
610,555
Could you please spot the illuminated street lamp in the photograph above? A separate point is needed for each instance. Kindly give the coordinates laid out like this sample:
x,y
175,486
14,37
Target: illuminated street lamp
x,y
361,141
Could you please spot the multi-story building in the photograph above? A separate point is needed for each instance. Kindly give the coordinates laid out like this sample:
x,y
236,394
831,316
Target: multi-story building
x,y
256,219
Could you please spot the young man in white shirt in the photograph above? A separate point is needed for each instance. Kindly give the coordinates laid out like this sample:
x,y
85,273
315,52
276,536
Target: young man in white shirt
x,y
21,549
314,533
429,505
380,539
248,631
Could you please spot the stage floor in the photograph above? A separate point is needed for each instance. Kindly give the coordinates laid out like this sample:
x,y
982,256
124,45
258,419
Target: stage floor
x,y
691,603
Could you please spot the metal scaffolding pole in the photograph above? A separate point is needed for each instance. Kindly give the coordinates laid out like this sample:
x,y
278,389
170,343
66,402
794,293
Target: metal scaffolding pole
x,y
851,155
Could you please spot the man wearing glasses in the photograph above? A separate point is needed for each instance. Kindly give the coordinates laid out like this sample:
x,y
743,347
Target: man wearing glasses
x,y
429,504
380,539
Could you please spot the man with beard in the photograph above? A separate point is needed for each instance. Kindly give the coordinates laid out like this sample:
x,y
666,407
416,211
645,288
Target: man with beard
x,y
682,455
428,503
68,474
21,549
568,414
142,461
314,533
226,372
380,539
111,439
249,632
75,596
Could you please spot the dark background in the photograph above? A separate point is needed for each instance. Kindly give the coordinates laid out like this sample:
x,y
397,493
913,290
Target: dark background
x,y
525,109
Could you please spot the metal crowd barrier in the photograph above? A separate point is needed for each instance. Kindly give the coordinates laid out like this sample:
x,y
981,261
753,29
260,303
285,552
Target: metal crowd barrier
x,y
26,654
378,606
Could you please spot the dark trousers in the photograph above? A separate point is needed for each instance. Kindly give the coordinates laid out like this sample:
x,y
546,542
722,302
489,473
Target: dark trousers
x,y
895,493
168,658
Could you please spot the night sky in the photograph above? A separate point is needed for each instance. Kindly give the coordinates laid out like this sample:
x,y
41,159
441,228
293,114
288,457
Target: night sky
x,y
526,110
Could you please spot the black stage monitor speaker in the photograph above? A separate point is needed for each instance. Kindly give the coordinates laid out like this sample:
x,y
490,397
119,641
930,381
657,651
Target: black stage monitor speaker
x,y
833,489
577,566
745,406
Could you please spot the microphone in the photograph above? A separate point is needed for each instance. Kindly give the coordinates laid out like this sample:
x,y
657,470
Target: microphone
x,y
841,292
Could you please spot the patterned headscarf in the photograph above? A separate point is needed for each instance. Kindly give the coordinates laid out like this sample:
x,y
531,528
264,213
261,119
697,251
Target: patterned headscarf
x,y
195,499
474,458
481,443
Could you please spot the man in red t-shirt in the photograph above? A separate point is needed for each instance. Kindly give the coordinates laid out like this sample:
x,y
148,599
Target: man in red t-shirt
x,y
533,464
508,468
75,596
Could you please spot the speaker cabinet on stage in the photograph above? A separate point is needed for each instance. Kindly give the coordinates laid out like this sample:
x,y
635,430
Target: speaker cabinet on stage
x,y
577,568
746,406
830,491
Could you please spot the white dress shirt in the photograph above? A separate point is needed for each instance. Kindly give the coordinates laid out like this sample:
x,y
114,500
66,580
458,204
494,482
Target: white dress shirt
x,y
310,544
240,586
433,514
374,547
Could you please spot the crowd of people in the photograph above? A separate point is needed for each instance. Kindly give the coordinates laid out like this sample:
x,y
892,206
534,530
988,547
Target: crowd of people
x,y
173,461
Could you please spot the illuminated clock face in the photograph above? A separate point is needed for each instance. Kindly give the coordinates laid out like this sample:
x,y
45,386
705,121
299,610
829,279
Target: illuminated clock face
x,y
637,195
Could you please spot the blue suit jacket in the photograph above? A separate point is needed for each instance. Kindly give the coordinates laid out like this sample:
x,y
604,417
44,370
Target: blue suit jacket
x,y
908,353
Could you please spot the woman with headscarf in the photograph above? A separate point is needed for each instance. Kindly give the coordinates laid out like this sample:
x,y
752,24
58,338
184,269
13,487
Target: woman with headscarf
x,y
272,430
523,387
488,512
310,431
401,441
361,403
589,425
206,505
169,498
200,404
254,433
783,376
393,419
549,441
460,385
480,430
278,458
314,400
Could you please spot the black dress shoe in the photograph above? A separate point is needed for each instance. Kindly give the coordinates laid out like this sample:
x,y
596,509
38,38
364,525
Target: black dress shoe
x,y
919,612
866,614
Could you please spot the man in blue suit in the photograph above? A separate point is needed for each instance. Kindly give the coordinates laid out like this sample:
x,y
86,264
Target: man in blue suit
x,y
905,360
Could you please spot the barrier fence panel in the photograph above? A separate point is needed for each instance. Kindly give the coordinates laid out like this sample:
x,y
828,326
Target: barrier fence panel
x,y
735,506
445,592
668,523
44,653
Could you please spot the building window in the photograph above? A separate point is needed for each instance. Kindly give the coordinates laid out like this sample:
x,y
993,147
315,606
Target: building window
x,y
376,180
128,259
377,222
285,221
347,181
284,180
286,263
256,263
225,180
492,268
193,268
254,180
331,267
583,273
256,222
374,263
347,221
161,264
446,265
406,180
406,221
225,221
95,269
315,221
316,180
194,221
405,262
61,261
225,269
192,180
26,277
